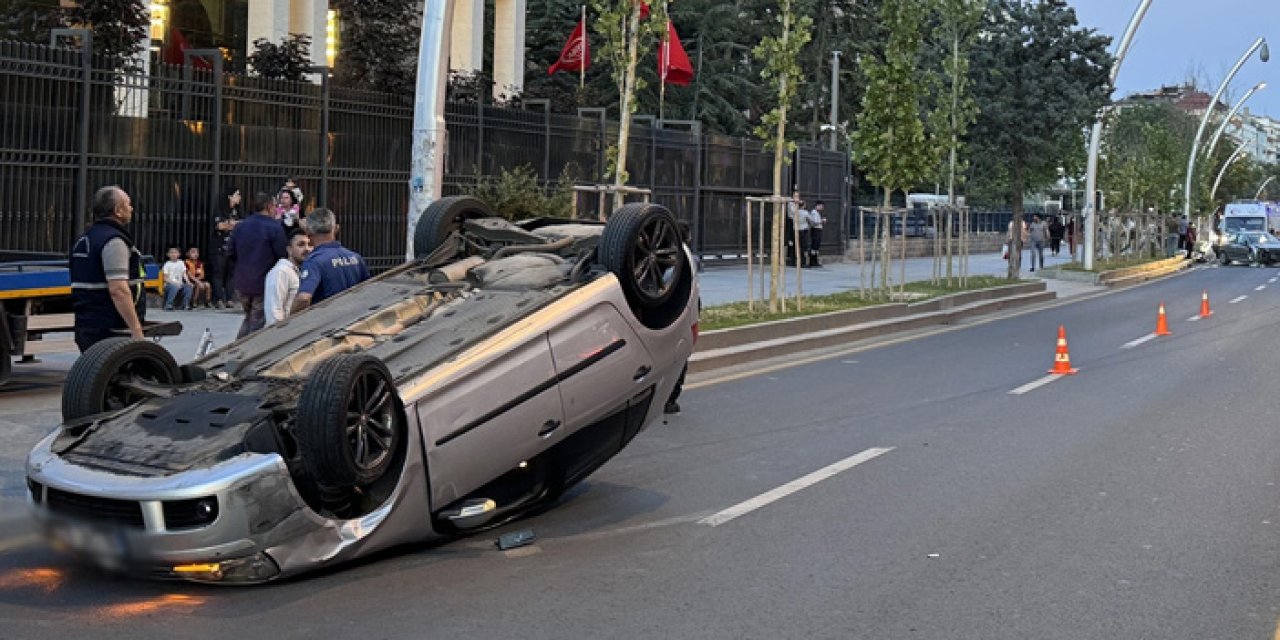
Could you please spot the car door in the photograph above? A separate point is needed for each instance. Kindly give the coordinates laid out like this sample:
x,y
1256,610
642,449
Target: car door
x,y
601,363
486,419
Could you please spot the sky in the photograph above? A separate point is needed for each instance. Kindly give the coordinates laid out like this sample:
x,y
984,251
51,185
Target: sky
x,y
1182,39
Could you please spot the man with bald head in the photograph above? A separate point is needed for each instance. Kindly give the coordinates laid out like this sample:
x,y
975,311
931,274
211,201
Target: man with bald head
x,y
107,277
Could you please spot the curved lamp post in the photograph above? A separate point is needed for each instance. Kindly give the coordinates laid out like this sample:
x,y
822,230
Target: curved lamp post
x,y
1235,155
1260,43
1258,195
1095,138
1213,142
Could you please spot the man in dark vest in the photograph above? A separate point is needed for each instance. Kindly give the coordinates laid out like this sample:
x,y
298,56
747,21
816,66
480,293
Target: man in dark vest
x,y
106,273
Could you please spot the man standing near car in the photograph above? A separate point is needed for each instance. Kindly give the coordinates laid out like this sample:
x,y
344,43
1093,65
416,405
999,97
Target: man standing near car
x,y
257,243
107,279
284,278
331,268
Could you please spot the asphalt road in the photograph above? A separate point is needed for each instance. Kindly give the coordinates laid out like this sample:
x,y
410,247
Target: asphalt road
x,y
1134,500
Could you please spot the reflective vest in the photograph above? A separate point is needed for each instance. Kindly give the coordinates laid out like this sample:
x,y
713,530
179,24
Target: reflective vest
x,y
90,298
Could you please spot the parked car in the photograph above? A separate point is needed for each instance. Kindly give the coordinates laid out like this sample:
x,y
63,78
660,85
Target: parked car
x,y
451,394
1252,247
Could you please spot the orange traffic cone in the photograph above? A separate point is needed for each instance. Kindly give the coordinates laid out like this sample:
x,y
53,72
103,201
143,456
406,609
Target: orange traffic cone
x,y
1162,323
1061,357
1205,311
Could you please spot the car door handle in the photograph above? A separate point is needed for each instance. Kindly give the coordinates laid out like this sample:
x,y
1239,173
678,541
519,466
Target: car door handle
x,y
548,428
641,373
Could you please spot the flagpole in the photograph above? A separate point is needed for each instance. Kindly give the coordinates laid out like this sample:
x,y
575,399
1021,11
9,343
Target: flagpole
x,y
664,63
582,68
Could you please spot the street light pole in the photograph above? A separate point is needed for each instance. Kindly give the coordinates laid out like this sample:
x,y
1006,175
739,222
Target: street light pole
x,y
835,96
1095,137
1260,43
427,151
1235,155
1258,195
1213,142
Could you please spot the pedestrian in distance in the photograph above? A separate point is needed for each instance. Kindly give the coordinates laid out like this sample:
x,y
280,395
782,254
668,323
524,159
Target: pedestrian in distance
x,y
817,219
107,277
788,227
1039,233
331,268
1056,231
288,212
196,271
221,262
281,287
257,243
177,284
800,218
1183,225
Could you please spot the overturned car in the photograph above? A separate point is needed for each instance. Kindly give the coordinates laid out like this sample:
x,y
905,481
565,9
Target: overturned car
x,y
449,395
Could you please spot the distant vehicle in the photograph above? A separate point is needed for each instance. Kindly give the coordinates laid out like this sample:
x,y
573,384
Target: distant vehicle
x,y
1252,247
1244,216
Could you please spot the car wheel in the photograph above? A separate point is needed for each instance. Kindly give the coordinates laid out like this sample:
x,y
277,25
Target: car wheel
x,y
1224,258
641,245
443,217
94,382
350,427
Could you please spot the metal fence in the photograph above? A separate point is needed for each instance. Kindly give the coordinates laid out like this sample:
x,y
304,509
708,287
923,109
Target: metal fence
x,y
177,137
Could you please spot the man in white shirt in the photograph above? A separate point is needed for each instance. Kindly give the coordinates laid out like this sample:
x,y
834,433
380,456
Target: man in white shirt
x,y
800,218
816,220
283,279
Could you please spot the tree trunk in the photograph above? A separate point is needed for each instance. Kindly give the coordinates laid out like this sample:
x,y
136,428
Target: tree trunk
x,y
1015,233
627,92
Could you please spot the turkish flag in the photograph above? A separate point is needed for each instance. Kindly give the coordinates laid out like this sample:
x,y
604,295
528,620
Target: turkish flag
x,y
176,46
673,62
576,54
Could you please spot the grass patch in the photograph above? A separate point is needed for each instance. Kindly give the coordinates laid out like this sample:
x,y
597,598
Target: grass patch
x,y
1108,265
735,314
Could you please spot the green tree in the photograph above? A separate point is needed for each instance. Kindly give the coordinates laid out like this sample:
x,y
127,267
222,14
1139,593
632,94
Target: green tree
x,y
119,29
890,142
1040,80
289,60
1144,156
29,20
378,45
625,35
780,54
955,111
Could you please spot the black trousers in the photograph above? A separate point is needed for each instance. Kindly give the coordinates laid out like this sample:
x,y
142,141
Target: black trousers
x,y
221,270
815,245
88,336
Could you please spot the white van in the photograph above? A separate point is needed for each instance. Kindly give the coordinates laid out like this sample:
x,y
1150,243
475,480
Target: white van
x,y
1248,215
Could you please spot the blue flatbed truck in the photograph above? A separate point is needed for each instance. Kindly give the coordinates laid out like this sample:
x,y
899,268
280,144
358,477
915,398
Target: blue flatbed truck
x,y
35,300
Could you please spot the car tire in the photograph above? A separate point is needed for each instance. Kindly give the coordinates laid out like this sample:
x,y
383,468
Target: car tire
x,y
92,384
641,245
442,218
342,445
1224,259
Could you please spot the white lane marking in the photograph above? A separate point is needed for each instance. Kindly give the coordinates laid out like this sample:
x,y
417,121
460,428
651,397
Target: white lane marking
x,y
743,508
1237,299
1032,386
1260,287
1133,343
1273,280
1193,318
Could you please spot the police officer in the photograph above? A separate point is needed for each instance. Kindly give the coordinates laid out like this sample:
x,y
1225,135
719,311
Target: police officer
x,y
331,268
107,279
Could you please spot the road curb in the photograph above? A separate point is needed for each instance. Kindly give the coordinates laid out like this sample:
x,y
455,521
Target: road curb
x,y
728,348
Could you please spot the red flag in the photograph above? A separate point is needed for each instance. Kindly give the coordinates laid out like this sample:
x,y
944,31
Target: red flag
x,y
176,47
673,62
644,10
576,54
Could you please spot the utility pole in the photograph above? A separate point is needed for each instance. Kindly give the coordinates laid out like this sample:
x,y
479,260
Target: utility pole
x,y
835,96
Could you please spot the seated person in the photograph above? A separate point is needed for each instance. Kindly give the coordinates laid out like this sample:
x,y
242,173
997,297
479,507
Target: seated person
x,y
176,281
195,271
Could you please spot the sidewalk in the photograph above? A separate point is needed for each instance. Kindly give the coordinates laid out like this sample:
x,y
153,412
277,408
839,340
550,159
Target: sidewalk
x,y
725,284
